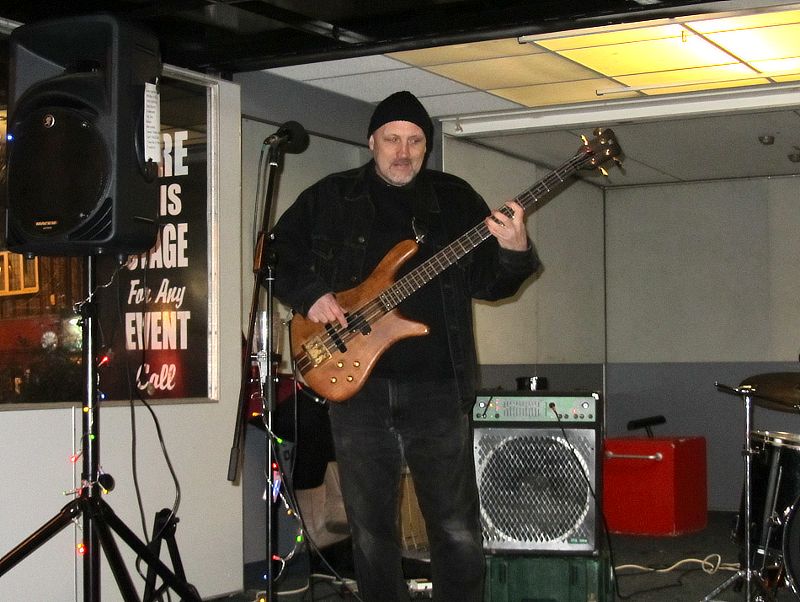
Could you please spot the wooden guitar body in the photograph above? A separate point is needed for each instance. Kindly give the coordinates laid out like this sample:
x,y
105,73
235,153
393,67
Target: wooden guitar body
x,y
338,374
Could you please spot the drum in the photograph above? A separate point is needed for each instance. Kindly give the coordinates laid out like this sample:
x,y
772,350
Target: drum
x,y
776,487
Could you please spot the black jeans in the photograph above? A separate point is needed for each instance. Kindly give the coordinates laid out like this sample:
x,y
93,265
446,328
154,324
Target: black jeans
x,y
422,423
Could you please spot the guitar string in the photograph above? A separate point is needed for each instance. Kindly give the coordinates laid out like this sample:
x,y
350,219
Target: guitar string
x,y
376,308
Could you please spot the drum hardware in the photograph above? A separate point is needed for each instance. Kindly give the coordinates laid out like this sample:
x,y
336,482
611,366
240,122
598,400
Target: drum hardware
x,y
791,548
752,580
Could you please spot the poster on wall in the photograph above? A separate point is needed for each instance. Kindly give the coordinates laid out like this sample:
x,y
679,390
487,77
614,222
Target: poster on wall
x,y
156,311
155,342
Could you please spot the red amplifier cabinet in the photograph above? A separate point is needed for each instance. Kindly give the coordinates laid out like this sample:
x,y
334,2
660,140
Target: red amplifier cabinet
x,y
655,486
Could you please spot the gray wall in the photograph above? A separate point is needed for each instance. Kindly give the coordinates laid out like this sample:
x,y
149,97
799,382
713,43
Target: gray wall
x,y
702,288
648,294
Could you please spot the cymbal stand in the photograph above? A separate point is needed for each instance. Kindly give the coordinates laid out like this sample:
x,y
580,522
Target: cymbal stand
x,y
752,579
99,520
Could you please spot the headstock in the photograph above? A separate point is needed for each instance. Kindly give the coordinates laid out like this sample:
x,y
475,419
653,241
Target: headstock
x,y
600,149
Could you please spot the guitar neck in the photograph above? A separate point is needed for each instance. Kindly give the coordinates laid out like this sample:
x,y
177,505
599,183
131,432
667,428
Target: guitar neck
x,y
464,244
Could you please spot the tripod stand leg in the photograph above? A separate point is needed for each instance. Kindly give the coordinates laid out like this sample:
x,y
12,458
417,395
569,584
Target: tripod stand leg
x,y
741,576
114,558
164,529
39,537
179,586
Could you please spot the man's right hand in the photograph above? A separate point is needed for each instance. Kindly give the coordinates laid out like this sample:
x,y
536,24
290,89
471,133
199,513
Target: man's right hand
x,y
326,309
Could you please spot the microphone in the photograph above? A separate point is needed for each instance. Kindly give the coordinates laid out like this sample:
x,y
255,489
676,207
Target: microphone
x,y
291,135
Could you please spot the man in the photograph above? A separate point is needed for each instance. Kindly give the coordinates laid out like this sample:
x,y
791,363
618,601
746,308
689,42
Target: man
x,y
413,409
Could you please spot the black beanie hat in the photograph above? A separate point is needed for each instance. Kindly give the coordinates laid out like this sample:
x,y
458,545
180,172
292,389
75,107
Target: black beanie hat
x,y
401,106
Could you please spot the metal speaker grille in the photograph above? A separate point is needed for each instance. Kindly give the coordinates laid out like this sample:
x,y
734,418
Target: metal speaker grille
x,y
535,489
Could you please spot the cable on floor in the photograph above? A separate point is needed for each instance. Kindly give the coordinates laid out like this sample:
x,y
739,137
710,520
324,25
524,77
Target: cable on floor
x,y
710,564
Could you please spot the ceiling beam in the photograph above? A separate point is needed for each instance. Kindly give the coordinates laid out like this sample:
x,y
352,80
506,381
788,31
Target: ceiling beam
x,y
301,22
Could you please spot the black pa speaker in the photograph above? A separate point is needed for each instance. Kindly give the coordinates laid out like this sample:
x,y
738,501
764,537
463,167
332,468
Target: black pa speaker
x,y
78,182
537,464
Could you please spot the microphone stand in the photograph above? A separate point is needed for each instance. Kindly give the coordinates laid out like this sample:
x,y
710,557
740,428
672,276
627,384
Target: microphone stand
x,y
264,261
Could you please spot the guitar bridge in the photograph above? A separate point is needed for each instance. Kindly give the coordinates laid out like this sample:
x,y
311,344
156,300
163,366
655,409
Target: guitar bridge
x,y
316,351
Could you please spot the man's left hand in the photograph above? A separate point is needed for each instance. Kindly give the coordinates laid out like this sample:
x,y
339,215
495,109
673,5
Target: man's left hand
x,y
510,232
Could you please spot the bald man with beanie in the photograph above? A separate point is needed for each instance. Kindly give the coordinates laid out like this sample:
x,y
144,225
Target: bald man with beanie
x,y
413,410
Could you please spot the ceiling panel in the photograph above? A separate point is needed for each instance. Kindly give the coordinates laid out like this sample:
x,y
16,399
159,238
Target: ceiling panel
x,y
460,53
760,44
583,91
513,71
339,68
376,85
467,103
687,80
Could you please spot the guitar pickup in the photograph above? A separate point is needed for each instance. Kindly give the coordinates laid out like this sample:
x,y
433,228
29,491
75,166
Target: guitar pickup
x,y
359,324
337,340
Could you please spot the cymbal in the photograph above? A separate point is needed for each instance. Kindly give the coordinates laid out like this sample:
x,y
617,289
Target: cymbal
x,y
775,390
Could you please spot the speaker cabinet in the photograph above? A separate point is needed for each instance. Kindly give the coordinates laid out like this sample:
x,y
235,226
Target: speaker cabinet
x,y
78,182
537,466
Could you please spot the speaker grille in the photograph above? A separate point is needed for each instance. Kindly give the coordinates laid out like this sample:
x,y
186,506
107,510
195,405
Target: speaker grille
x,y
535,489
58,168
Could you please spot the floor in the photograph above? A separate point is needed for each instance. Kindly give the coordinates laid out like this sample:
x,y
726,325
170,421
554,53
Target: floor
x,y
647,569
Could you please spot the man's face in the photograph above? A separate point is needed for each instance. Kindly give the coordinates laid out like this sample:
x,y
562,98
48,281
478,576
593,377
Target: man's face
x,y
399,151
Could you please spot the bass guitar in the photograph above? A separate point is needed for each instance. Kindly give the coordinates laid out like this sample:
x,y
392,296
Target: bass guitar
x,y
336,361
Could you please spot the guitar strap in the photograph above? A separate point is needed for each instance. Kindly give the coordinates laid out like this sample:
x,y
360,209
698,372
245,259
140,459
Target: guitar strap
x,y
426,208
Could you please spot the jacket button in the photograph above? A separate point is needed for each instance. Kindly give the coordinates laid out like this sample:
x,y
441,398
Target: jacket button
x,y
361,239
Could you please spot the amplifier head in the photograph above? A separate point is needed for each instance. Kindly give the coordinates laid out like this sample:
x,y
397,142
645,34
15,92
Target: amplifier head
x,y
533,406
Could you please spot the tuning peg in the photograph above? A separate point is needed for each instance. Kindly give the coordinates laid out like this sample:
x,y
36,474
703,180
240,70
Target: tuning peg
x,y
603,171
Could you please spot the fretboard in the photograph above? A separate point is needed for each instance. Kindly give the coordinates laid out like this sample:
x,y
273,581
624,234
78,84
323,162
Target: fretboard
x,y
407,285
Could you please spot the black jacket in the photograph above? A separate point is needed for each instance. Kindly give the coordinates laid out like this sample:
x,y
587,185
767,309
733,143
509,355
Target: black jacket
x,y
320,242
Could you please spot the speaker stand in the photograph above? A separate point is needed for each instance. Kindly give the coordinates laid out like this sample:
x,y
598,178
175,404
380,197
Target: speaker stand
x,y
99,520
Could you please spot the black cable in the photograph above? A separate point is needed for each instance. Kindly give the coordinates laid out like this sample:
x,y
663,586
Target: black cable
x,y
597,504
134,393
